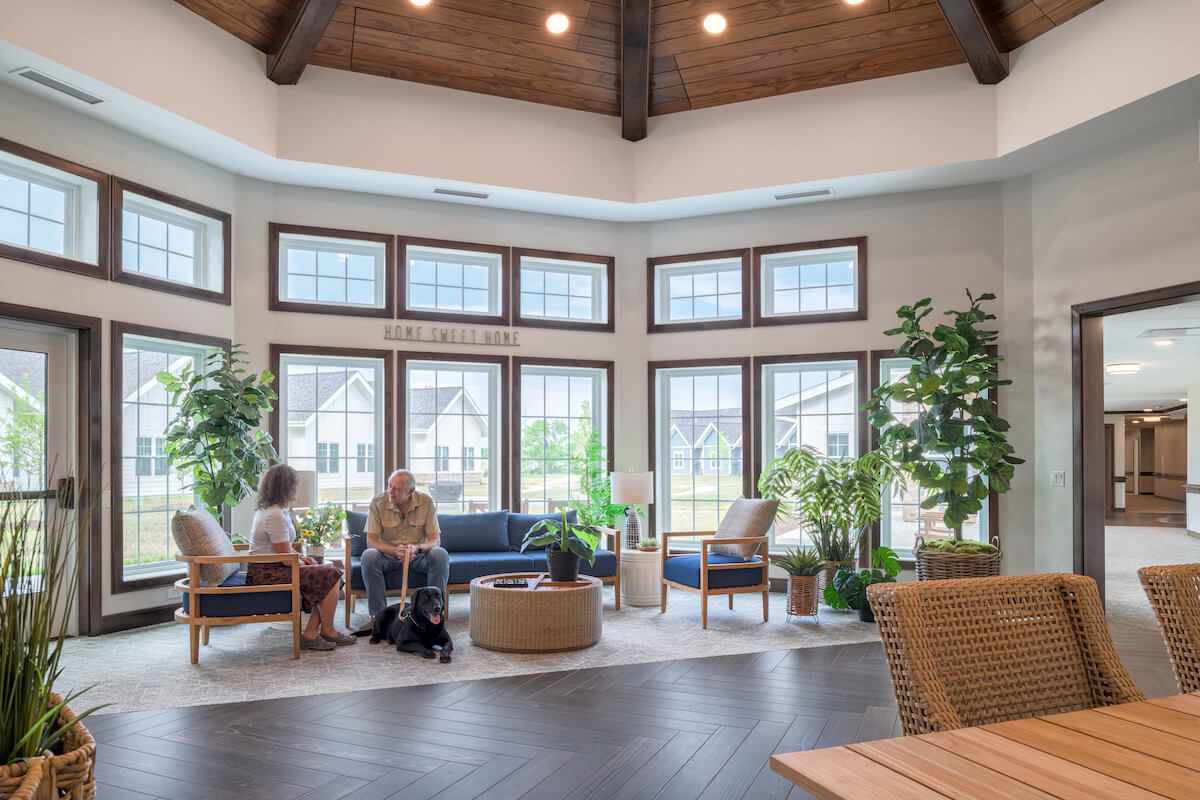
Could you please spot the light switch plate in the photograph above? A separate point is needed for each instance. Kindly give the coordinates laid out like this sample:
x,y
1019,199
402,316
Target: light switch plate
x,y
1058,477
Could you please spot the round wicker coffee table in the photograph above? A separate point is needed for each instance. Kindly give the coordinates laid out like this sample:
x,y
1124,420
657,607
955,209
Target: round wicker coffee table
x,y
542,617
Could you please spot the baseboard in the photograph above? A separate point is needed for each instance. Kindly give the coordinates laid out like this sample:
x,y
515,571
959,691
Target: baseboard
x,y
1193,534
137,619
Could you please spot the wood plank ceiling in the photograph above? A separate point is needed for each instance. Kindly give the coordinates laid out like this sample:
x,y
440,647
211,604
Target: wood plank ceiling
x,y
770,47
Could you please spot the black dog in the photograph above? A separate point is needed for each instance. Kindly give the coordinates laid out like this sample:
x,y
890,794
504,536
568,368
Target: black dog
x,y
418,627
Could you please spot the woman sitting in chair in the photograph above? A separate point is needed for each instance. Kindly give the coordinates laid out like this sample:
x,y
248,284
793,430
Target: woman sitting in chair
x,y
273,532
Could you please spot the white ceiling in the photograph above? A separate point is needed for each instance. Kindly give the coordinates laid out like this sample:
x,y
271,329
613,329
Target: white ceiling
x,y
1167,371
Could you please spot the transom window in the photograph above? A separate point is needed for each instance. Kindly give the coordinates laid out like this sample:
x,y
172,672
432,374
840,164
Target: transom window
x,y
160,245
332,271
452,280
563,290
822,282
34,210
699,291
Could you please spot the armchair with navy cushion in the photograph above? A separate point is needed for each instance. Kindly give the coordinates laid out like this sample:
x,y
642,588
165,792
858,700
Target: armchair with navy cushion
x,y
732,560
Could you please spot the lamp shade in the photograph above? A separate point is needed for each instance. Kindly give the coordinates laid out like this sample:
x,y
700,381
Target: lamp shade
x,y
630,488
306,492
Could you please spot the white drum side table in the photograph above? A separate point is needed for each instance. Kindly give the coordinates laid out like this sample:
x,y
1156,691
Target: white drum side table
x,y
641,577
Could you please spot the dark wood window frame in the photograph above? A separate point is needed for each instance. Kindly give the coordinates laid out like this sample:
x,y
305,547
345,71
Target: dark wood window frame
x,y
119,583
276,303
405,356
610,275
652,300
389,389
103,216
748,416
515,411
506,277
859,313
120,275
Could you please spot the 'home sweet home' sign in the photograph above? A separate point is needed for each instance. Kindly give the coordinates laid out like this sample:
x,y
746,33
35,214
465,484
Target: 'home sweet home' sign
x,y
442,333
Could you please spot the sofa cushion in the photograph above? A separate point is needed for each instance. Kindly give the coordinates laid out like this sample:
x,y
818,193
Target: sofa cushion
x,y
519,525
686,570
197,533
474,533
605,566
465,567
241,605
744,518
356,529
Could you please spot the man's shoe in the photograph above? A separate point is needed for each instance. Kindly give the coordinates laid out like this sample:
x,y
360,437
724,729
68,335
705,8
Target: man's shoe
x,y
316,643
340,639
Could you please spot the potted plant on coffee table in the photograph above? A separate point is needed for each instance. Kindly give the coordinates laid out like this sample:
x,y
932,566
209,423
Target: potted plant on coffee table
x,y
836,499
803,567
849,588
565,543
941,424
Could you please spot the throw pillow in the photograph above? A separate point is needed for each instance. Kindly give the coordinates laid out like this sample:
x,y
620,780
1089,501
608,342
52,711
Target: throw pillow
x,y
197,533
484,532
745,518
356,529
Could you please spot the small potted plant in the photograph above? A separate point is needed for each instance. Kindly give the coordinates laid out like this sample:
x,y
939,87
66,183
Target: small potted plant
x,y
649,544
320,526
849,589
565,543
803,566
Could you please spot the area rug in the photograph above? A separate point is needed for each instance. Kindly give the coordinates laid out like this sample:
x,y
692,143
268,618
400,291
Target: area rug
x,y
148,668
1125,549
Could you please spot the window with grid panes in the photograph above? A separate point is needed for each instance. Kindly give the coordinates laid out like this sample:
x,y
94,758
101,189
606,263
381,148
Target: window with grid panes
x,y
458,281
698,291
561,407
564,290
334,271
809,282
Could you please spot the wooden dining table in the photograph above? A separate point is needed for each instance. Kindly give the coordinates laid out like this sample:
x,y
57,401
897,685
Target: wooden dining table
x,y
1149,749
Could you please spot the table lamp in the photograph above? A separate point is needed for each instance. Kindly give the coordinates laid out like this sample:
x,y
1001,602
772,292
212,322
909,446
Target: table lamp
x,y
632,488
306,492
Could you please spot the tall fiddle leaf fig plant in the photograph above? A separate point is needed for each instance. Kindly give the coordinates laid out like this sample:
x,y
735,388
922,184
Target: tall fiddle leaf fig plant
x,y
217,434
949,438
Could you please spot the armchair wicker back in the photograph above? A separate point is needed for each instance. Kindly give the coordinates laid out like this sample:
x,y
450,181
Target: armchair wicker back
x,y
979,650
1174,593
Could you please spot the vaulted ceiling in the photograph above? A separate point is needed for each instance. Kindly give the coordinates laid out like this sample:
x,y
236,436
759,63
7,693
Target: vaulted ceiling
x,y
770,47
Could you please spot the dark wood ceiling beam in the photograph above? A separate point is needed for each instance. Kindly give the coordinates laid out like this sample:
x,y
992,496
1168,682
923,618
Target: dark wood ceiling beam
x,y
635,68
976,41
298,39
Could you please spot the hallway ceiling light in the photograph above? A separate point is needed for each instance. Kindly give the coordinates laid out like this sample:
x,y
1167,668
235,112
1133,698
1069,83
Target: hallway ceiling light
x,y
714,23
1135,421
557,23
1151,419
1122,368
1147,410
1183,399
1163,342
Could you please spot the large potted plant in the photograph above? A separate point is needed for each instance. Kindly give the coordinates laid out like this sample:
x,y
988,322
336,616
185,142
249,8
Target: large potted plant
x,y
40,555
941,425
849,588
217,435
836,499
565,543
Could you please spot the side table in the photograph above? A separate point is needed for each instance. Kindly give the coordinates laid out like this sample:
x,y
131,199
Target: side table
x,y
641,577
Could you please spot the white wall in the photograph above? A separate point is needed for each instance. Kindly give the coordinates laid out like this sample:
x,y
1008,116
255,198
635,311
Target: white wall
x,y
1170,459
1119,454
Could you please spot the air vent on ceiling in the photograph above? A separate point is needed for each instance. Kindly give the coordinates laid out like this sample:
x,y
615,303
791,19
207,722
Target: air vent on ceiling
x,y
461,193
799,195
1168,333
57,85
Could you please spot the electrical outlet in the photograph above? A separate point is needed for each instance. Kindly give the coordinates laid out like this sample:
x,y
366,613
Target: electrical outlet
x,y
1058,477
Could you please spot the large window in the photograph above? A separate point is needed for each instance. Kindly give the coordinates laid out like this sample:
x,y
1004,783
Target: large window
x,y
453,407
333,408
169,243
701,418
325,271
561,407
52,212
564,290
903,517
703,290
811,282
454,281
146,488
808,401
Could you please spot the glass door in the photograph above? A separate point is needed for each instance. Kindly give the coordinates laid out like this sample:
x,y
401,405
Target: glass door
x,y
37,447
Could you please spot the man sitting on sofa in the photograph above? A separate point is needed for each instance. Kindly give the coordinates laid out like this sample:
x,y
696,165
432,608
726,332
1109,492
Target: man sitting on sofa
x,y
400,519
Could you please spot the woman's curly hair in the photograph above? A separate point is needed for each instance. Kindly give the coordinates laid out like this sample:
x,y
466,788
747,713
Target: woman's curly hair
x,y
278,486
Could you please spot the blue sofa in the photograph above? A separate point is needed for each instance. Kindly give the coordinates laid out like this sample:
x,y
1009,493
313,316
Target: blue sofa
x,y
479,544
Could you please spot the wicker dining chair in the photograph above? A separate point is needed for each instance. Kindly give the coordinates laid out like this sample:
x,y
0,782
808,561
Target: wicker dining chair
x,y
1174,593
973,651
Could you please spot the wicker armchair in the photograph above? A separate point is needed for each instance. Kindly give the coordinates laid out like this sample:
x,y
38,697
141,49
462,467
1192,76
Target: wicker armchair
x,y
1174,593
979,650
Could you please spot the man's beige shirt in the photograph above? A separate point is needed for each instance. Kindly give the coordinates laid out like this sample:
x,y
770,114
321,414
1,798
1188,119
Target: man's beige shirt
x,y
418,525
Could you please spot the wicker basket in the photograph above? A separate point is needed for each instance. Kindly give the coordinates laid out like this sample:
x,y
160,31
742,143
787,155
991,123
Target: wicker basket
x,y
935,566
802,595
826,577
72,774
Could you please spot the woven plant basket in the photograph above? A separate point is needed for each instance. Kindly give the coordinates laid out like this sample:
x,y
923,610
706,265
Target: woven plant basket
x,y
802,595
71,775
826,577
935,566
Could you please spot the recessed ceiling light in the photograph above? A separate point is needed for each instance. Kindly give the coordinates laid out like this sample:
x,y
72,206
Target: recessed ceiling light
x,y
854,2
1122,368
1151,419
419,2
1147,410
1135,421
557,23
714,23
1163,342
1183,399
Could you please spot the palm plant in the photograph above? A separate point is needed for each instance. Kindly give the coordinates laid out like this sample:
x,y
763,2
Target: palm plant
x,y
836,499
